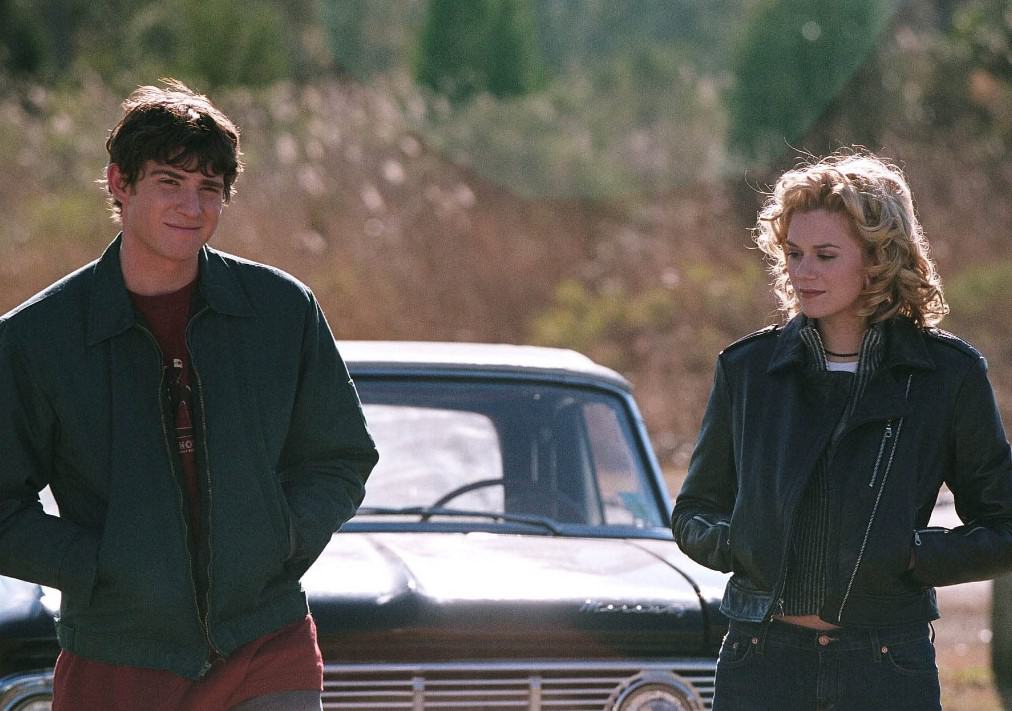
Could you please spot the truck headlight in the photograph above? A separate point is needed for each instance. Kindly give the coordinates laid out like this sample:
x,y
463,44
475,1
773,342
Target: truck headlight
x,y
655,691
32,691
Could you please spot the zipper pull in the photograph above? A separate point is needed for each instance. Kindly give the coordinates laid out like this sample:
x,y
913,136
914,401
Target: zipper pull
x,y
917,538
774,610
889,430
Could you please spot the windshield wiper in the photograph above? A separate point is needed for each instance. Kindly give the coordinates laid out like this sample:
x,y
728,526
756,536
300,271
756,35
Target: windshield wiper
x,y
427,512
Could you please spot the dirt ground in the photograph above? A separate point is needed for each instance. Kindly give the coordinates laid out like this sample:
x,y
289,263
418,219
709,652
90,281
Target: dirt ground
x,y
962,644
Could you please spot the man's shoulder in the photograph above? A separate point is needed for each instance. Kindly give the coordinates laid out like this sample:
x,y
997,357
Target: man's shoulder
x,y
62,298
267,280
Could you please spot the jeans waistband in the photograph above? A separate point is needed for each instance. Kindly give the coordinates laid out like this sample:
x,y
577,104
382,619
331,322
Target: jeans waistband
x,y
842,639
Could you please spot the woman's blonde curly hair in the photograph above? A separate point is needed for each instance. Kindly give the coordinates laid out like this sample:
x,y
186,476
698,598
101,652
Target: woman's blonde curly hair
x,y
876,199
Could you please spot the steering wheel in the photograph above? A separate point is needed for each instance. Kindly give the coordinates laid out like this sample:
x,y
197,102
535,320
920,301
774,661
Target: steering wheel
x,y
467,488
568,503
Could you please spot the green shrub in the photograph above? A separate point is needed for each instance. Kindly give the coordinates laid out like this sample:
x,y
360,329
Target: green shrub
x,y
467,47
588,320
795,58
980,290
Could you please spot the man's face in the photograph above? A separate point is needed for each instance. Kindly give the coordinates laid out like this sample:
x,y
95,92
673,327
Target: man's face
x,y
169,213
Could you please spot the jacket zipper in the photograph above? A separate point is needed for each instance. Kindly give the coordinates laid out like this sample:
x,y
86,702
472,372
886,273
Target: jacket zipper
x,y
207,515
207,477
888,434
201,618
878,497
777,603
946,531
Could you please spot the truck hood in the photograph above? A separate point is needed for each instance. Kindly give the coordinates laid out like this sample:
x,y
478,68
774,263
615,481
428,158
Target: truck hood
x,y
447,596
478,594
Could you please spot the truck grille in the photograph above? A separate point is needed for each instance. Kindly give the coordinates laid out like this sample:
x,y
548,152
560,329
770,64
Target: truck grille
x,y
502,686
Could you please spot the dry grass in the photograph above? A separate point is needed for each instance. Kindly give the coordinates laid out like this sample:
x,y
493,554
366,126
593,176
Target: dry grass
x,y
398,242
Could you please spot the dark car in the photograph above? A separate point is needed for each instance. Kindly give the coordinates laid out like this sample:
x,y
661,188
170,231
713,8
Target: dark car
x,y
512,551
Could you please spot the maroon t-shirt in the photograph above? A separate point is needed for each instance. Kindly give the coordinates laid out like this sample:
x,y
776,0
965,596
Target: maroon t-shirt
x,y
286,660
167,316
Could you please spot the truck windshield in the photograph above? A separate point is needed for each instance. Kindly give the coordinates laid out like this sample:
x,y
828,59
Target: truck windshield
x,y
555,453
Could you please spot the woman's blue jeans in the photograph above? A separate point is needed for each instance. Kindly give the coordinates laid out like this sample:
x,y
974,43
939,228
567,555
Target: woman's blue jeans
x,y
782,667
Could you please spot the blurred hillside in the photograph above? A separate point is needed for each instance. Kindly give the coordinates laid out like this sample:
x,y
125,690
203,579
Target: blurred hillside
x,y
605,209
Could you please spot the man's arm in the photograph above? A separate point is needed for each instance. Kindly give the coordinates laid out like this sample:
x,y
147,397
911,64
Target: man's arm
x,y
328,452
34,546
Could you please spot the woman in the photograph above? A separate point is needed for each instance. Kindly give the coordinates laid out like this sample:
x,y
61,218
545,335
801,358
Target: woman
x,y
823,447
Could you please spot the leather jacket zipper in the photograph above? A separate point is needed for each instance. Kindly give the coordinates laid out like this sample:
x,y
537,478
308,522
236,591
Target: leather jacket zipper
x,y
201,618
969,527
886,435
777,601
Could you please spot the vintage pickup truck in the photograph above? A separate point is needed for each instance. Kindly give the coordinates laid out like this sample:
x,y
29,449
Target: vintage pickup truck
x,y
512,551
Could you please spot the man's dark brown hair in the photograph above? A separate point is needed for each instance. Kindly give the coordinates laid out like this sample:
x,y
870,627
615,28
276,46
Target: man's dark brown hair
x,y
178,127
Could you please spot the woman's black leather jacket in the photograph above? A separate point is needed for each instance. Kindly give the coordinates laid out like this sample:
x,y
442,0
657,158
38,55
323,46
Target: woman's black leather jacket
x,y
928,416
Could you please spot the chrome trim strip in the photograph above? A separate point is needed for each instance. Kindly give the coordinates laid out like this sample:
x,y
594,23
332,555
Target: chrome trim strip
x,y
689,665
513,685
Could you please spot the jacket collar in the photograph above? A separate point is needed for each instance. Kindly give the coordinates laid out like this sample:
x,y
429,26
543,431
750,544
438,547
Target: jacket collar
x,y
790,349
111,312
904,345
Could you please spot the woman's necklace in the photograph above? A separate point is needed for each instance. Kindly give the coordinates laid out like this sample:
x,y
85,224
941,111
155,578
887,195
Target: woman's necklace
x,y
840,355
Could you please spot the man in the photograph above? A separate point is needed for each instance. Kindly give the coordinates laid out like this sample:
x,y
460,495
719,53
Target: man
x,y
199,432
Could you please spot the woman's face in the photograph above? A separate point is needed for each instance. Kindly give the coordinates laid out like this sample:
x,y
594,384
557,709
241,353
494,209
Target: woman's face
x,y
827,266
